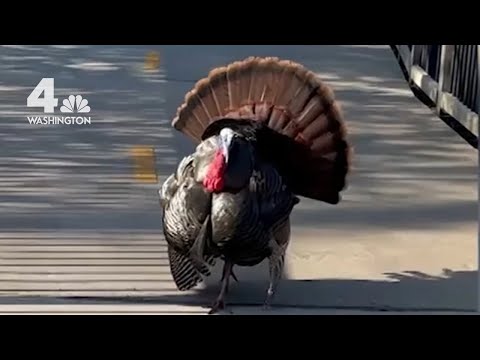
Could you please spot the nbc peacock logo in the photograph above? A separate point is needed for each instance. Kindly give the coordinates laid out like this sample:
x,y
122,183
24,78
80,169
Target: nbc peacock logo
x,y
77,103
74,104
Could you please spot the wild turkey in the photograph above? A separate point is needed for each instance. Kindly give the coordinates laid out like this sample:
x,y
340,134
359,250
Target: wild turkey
x,y
267,131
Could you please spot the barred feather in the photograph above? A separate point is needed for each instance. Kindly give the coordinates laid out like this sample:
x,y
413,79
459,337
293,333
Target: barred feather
x,y
183,272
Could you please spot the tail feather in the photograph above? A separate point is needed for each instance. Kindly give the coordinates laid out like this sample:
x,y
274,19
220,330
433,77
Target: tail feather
x,y
234,80
206,96
219,90
288,99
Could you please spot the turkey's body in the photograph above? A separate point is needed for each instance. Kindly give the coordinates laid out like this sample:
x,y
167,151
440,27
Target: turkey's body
x,y
240,224
267,131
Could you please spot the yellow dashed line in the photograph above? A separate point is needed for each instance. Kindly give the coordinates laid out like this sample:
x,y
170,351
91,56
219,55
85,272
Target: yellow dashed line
x,y
152,61
144,164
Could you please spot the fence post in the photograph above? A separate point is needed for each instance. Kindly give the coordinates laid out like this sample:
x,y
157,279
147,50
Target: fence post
x,y
412,58
441,76
445,73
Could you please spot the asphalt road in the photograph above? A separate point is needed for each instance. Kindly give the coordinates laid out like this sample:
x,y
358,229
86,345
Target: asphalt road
x,y
77,222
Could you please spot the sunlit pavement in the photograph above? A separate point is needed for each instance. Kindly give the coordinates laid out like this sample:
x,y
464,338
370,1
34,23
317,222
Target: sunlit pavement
x,y
79,223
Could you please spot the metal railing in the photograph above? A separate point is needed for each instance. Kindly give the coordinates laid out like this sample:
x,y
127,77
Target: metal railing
x,y
449,76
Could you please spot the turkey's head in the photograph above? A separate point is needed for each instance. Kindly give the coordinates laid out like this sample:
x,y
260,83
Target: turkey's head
x,y
232,163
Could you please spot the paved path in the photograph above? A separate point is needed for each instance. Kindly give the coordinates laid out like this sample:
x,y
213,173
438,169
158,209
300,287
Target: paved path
x,y
76,223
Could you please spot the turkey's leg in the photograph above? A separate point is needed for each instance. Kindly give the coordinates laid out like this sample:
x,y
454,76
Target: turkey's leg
x,y
278,245
232,274
220,301
276,267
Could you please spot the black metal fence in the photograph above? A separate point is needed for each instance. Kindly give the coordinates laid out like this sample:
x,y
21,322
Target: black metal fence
x,y
460,77
428,58
462,81
449,76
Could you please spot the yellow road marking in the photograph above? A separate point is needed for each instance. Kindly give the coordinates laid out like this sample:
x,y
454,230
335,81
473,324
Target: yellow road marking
x,y
144,164
152,61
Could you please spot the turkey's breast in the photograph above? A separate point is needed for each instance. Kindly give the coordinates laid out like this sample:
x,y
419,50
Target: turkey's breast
x,y
237,228
243,222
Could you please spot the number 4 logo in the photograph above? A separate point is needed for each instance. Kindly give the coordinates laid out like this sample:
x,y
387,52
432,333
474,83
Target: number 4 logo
x,y
48,102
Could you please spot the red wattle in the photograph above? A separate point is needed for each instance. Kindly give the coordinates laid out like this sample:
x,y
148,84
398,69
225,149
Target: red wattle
x,y
214,181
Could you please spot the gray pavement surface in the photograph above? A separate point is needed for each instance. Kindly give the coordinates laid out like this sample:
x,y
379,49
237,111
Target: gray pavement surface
x,y
77,227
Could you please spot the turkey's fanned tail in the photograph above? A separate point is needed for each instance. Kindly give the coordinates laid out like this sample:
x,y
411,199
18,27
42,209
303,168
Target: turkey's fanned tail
x,y
302,129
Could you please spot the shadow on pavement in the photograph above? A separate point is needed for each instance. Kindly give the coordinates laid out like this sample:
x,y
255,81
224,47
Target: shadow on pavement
x,y
409,291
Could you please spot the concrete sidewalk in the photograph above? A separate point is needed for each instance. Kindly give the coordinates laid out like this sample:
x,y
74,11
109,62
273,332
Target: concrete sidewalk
x,y
76,223
82,309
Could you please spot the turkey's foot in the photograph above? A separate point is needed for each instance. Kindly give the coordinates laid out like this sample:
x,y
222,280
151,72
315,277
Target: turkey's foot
x,y
268,299
218,305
